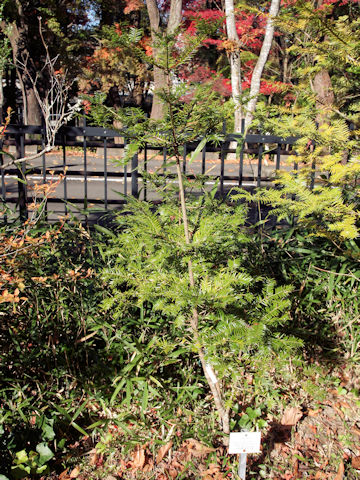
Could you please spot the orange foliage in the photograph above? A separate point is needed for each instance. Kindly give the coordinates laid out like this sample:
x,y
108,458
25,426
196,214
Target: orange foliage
x,y
133,6
13,246
6,123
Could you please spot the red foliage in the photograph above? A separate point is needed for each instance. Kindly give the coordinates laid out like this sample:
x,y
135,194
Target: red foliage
x,y
250,27
145,43
203,74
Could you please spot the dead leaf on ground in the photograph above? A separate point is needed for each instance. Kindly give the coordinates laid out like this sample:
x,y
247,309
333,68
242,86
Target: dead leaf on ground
x,y
173,473
313,413
288,476
355,430
291,416
340,473
64,475
94,457
355,463
75,472
163,451
139,459
321,475
338,411
196,448
213,472
149,466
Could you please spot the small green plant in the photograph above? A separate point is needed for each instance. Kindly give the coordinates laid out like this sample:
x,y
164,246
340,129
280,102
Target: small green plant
x,y
251,419
32,462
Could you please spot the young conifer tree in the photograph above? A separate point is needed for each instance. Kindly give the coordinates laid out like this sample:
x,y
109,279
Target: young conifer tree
x,y
186,259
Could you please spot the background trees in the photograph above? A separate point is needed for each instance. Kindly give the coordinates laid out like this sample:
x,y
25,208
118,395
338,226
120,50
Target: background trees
x,y
63,25
84,35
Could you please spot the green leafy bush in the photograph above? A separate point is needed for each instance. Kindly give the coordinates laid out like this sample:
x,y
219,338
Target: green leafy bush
x,y
240,316
52,339
325,275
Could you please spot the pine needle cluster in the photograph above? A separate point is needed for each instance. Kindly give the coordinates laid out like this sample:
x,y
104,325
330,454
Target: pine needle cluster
x,y
240,316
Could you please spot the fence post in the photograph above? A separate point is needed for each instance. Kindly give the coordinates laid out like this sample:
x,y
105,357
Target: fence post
x,y
22,191
135,176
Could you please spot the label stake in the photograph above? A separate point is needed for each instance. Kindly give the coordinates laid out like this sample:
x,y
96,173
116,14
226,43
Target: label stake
x,y
242,465
242,443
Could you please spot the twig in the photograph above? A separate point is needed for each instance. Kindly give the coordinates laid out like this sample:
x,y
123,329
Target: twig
x,y
351,275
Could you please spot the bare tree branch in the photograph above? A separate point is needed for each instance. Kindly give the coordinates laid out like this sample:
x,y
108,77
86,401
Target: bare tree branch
x,y
54,105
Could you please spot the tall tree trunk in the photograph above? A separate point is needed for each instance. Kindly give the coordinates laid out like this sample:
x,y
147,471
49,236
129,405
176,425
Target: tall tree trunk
x,y
235,62
33,113
260,64
325,98
17,33
157,109
322,87
175,15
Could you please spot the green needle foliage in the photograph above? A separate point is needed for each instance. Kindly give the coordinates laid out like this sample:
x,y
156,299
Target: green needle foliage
x,y
323,193
185,261
240,316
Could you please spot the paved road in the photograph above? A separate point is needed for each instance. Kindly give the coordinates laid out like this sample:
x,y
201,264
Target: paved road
x,y
74,186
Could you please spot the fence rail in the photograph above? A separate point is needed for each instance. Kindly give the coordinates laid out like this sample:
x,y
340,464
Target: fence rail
x,y
88,158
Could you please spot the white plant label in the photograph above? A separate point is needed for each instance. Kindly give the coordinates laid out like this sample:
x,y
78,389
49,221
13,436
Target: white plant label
x,y
244,442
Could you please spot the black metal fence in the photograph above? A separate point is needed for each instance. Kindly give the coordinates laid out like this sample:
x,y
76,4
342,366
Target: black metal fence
x,y
89,159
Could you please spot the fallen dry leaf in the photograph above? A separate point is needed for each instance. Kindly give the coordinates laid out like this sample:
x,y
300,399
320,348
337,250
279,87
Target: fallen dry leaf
x,y
291,416
149,466
288,476
139,459
94,457
213,473
75,472
321,475
313,428
173,473
313,413
64,475
340,473
197,449
355,463
163,451
338,411
355,430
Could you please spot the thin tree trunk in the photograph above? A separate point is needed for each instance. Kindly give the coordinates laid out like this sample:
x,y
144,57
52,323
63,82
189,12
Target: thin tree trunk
x,y
194,320
157,109
235,63
260,64
33,113
175,15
